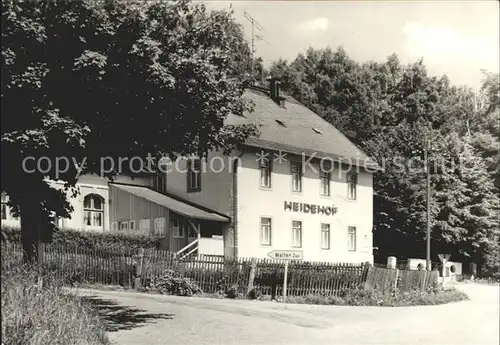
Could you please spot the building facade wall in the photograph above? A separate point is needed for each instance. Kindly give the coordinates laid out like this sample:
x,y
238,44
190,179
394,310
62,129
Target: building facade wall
x,y
93,184
87,184
216,182
216,191
255,202
251,201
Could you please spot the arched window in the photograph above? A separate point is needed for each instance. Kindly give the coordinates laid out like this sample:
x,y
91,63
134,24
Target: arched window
x,y
93,211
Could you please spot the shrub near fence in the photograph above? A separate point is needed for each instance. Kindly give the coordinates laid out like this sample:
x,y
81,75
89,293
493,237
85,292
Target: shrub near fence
x,y
90,239
71,264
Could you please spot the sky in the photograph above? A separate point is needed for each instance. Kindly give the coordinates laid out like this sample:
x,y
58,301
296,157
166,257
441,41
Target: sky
x,y
456,38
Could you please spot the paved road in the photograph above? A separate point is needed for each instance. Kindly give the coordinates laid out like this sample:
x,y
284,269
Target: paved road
x,y
138,319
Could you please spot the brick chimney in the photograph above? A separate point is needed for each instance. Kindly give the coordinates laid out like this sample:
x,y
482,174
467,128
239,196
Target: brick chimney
x,y
274,91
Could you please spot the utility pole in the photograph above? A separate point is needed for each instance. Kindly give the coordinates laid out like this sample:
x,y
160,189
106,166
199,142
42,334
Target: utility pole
x,y
428,200
255,25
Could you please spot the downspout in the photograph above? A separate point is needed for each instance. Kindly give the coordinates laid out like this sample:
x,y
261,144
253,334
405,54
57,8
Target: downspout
x,y
235,203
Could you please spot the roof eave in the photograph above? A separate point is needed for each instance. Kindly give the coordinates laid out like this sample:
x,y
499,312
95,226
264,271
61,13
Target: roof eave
x,y
178,198
367,164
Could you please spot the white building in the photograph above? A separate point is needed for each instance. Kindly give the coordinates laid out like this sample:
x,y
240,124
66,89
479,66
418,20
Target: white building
x,y
313,192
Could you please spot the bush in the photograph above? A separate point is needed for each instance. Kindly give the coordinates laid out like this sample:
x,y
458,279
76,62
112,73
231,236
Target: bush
x,y
316,299
255,293
232,292
90,239
171,283
27,310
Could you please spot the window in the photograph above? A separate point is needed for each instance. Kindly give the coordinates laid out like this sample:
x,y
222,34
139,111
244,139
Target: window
x,y
296,177
265,231
144,224
352,180
114,226
324,176
4,206
194,175
265,173
160,227
131,225
6,214
351,238
123,225
160,182
177,228
325,236
296,234
93,210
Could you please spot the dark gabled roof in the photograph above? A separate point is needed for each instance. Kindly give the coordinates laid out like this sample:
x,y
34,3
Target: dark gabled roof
x,y
303,132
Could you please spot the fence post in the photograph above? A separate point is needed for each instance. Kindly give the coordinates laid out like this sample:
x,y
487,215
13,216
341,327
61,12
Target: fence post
x,y
396,281
251,278
140,260
473,270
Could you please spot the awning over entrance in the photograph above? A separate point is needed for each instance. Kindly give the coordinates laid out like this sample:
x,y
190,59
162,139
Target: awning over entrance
x,y
170,203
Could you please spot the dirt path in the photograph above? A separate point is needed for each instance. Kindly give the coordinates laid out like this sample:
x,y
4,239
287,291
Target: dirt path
x,y
137,319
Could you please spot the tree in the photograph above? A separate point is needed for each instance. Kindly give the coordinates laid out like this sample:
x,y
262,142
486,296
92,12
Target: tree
x,y
389,110
107,78
485,125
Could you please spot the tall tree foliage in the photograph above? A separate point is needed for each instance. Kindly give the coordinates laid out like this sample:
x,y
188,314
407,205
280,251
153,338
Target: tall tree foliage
x,y
108,78
390,110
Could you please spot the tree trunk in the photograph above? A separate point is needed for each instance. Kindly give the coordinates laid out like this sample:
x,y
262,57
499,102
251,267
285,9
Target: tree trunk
x,y
30,230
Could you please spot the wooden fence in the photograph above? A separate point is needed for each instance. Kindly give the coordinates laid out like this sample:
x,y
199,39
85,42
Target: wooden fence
x,y
385,280
417,280
133,267
381,279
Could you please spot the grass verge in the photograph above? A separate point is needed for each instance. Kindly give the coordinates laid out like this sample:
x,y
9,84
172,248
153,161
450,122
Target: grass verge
x,y
370,297
48,315
355,297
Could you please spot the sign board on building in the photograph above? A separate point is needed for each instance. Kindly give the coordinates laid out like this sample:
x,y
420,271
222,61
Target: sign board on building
x,y
309,208
286,255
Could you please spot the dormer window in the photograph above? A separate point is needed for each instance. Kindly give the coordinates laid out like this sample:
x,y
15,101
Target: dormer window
x,y
317,131
281,123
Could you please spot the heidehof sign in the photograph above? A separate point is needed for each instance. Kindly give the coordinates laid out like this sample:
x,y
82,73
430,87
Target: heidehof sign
x,y
309,208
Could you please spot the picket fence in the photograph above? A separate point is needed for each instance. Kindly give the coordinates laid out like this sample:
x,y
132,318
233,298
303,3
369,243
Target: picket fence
x,y
386,280
131,268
